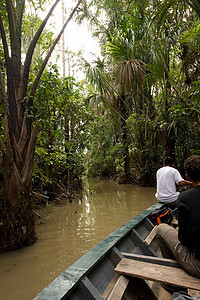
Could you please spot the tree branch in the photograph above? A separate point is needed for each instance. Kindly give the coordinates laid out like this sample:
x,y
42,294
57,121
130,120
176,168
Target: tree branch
x,y
3,36
12,65
19,25
30,51
12,97
20,15
35,84
28,165
195,5
12,21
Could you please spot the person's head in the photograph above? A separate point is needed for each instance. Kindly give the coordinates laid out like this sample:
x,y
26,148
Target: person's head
x,y
192,167
168,161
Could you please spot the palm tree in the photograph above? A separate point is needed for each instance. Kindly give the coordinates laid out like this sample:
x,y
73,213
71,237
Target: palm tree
x,y
120,85
129,74
166,5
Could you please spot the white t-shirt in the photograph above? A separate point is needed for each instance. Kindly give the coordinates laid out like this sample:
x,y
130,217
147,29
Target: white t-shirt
x,y
167,178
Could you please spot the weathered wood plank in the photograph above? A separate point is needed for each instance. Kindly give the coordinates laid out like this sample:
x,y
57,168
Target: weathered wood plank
x,y
138,289
110,286
193,293
152,259
164,295
155,272
150,236
119,288
139,243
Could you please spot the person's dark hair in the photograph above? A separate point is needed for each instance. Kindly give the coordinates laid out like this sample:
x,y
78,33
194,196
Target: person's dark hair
x,y
168,161
192,167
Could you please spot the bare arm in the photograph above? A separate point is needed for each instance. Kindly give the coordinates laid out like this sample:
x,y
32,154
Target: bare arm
x,y
184,182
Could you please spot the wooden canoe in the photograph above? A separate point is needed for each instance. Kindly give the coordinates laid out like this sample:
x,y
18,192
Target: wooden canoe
x,y
125,265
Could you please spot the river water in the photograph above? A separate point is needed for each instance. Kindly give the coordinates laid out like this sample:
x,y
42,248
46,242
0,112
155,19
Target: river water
x,y
67,232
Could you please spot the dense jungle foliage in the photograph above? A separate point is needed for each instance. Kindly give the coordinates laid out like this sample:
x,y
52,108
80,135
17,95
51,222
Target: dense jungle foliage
x,y
138,102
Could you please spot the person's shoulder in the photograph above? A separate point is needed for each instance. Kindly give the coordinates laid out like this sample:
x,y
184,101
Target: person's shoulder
x,y
182,199
183,195
160,169
175,171
171,169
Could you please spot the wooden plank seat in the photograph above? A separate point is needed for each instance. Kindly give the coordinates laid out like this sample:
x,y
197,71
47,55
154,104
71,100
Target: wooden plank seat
x,y
130,288
157,269
150,236
119,288
152,233
193,293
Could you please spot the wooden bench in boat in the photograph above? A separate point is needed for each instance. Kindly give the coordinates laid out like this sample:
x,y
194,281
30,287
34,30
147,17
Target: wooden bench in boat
x,y
124,287
150,236
157,269
152,233
119,288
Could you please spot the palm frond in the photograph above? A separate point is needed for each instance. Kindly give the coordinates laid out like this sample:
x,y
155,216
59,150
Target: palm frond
x,y
95,74
129,74
161,16
156,71
122,46
195,4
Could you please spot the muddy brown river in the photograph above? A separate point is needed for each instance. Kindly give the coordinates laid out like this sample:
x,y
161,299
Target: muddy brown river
x,y
67,232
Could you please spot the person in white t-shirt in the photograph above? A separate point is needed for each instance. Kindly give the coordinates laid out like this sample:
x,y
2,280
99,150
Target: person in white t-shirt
x,y
167,178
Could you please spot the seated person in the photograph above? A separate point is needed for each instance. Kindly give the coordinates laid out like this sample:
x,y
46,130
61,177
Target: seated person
x,y
184,244
167,177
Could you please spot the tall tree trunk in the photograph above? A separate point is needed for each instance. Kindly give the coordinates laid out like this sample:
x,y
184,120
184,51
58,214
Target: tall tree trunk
x,y
16,206
17,228
67,138
63,39
124,136
169,133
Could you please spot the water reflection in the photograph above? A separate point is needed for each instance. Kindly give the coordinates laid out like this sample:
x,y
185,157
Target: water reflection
x,y
68,232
